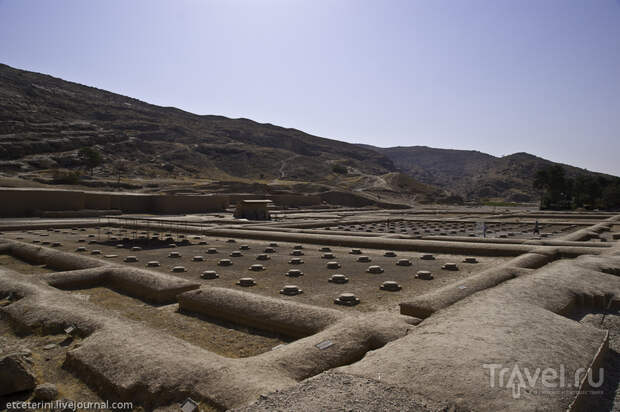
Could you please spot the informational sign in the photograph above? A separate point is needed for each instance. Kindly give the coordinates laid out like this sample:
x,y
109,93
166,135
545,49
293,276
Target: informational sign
x,y
325,344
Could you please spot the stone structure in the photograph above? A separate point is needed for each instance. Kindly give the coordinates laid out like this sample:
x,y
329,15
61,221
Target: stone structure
x,y
525,302
253,209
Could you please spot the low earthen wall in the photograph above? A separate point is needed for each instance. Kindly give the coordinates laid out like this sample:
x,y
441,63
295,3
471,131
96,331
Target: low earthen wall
x,y
276,315
26,202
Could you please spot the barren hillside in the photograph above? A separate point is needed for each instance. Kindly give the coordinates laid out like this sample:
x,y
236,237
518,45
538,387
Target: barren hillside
x,y
44,120
472,174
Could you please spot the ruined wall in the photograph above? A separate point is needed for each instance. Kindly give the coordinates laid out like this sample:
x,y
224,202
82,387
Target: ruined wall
x,y
31,202
296,200
252,211
282,200
352,200
131,203
97,201
25,202
188,204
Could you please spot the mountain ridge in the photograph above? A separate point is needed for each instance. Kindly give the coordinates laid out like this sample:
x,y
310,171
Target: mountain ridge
x,y
45,120
476,175
96,116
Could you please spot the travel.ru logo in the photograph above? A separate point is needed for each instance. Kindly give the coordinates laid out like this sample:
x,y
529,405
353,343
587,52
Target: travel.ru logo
x,y
518,378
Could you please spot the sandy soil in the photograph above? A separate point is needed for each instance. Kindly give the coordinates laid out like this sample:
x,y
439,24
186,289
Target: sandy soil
x,y
509,230
234,341
220,337
48,368
322,392
317,290
610,398
17,265
47,364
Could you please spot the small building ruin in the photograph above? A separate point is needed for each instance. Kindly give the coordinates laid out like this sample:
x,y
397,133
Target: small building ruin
x,y
253,209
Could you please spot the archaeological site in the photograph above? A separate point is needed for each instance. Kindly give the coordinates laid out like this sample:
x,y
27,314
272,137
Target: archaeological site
x,y
322,309
309,206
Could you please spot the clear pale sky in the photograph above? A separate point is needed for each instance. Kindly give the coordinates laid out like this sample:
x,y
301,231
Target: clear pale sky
x,y
540,76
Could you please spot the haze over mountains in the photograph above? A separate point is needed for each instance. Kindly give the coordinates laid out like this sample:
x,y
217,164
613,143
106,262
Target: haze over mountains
x,y
45,120
472,174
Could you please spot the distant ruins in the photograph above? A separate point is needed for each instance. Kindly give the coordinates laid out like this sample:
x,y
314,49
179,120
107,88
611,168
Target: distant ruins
x,y
253,209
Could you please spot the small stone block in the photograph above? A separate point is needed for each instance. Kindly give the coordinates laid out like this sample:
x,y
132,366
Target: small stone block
x,y
403,262
374,269
347,299
333,265
245,282
390,286
424,274
294,273
291,290
338,278
209,274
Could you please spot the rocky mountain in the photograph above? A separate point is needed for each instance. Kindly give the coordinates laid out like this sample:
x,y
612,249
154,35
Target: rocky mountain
x,y
45,120
472,174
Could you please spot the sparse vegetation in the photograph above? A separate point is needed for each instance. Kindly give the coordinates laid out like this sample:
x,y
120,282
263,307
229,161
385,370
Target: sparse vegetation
x,y
339,169
66,177
474,175
90,157
120,168
557,191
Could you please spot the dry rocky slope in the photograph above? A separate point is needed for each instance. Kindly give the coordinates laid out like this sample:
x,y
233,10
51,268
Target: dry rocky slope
x,y
44,121
41,114
472,174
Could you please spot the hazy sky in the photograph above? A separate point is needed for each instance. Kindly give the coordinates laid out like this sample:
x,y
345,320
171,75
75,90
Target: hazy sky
x,y
540,76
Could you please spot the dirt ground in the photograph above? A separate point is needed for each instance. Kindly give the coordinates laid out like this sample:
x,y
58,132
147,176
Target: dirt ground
x,y
494,230
317,290
47,364
48,367
321,392
12,263
234,341
220,337
610,398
